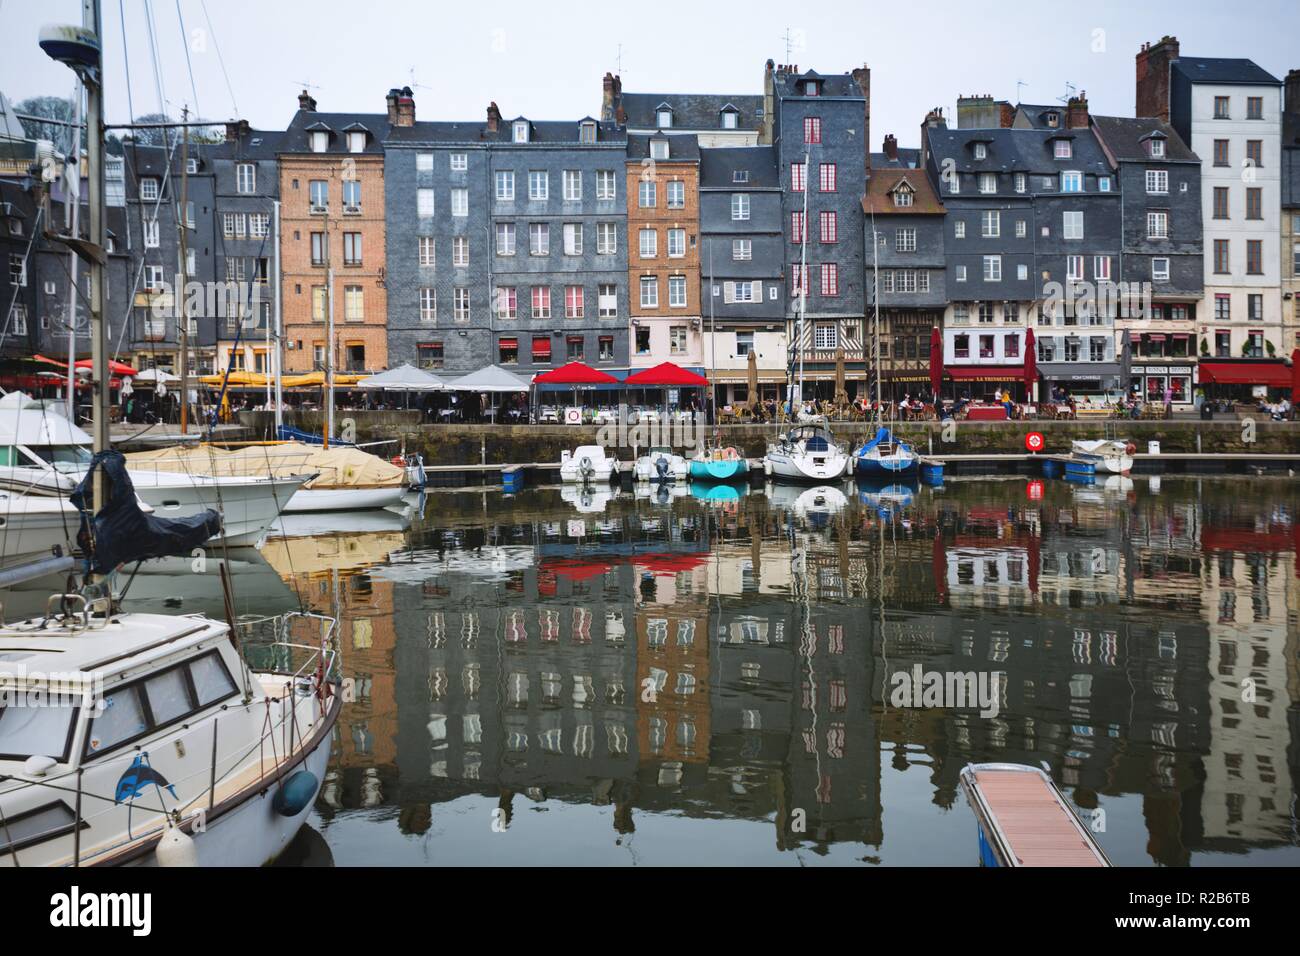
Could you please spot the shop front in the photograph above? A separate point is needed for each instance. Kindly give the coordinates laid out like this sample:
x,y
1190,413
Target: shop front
x,y
1074,377
1245,379
985,382
1149,380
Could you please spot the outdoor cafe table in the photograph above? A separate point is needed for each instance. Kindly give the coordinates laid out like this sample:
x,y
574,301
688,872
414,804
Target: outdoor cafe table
x,y
986,413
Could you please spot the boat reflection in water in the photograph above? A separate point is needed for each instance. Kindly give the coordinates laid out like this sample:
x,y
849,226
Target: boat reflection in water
x,y
701,682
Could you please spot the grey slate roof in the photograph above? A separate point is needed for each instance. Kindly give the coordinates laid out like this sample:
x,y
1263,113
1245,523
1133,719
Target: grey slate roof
x,y
462,133
296,138
681,149
908,158
692,111
1125,138
1017,150
787,85
1206,69
1035,114
718,166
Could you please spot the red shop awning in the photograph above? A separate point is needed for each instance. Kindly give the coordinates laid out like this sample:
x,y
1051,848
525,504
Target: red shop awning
x,y
1274,374
508,343
542,347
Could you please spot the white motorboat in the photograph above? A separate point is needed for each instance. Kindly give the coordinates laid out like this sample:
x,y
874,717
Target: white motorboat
x,y
587,463
35,526
339,478
816,501
155,743
661,464
1108,455
807,453
45,454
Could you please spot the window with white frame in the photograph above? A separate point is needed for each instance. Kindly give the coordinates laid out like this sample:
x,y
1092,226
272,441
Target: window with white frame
x,y
460,304
742,292
320,141
460,252
607,300
739,207
460,202
606,238
677,292
1103,184
959,273
573,238
605,184
1157,225
646,194
356,142
992,268
505,185
905,239
826,335
507,301
981,151
1072,182
1021,229
1072,225
245,178
539,239
677,339
539,184
990,223
151,233
520,131
1157,147
1021,182
1101,268
1074,268
459,162
742,250
354,304
428,304
649,292
149,189
426,251
988,182
1062,149
259,225
1159,269
424,202
659,149
1022,272
505,238
676,194
424,162
572,185
958,229
676,243
541,302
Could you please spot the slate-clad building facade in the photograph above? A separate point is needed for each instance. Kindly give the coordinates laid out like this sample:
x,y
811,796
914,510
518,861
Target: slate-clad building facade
x,y
1160,182
819,126
742,274
715,120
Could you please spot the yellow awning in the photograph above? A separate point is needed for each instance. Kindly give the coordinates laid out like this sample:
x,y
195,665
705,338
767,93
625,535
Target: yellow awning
x,y
238,377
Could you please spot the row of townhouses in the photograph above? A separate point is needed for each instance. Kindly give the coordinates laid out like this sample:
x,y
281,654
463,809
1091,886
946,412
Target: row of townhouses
x,y
732,233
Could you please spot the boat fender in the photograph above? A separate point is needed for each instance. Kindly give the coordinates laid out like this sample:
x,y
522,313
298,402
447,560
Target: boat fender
x,y
730,454
1130,449
176,848
295,794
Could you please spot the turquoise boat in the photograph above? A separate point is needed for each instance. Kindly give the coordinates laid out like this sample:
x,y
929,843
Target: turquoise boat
x,y
719,466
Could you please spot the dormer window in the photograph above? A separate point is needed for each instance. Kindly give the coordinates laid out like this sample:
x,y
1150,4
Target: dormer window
x,y
981,151
1157,148
520,132
1061,149
356,142
659,149
1053,119
903,195
587,132
664,117
729,119
320,141
740,175
811,88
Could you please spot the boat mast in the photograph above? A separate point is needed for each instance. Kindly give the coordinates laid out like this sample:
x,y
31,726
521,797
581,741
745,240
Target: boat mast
x,y
328,430
875,295
275,356
182,331
803,268
74,228
93,80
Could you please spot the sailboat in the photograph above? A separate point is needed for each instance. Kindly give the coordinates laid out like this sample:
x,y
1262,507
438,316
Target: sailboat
x,y
157,744
882,456
808,451
718,464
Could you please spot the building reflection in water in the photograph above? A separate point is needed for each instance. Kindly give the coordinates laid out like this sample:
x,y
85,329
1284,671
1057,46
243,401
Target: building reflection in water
x,y
733,660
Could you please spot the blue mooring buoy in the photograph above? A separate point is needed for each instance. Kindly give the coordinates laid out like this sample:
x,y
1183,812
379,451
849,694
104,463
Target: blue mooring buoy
x,y
295,794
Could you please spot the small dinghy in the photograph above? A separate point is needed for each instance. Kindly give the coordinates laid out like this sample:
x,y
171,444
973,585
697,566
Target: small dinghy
x,y
660,465
587,463
1115,457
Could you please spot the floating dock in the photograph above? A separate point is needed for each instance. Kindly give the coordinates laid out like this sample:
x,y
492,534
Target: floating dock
x,y
1024,820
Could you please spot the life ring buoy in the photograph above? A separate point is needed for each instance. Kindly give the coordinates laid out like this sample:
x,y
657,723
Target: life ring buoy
x,y
1130,449
730,454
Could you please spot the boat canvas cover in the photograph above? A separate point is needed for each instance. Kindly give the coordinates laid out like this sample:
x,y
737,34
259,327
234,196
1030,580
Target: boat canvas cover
x,y
333,467
122,533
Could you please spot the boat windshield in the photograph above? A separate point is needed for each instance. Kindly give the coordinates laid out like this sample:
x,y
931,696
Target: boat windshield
x,y
43,727
65,458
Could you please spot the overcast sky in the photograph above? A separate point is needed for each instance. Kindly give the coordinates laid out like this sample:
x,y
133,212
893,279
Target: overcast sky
x,y
546,60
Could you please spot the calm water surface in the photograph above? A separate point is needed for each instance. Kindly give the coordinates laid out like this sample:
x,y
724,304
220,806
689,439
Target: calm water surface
x,y
612,679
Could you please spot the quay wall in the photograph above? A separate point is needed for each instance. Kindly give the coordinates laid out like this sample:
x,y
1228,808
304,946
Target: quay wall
x,y
442,444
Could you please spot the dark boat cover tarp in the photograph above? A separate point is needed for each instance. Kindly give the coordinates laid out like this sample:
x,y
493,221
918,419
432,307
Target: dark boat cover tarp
x,y
122,532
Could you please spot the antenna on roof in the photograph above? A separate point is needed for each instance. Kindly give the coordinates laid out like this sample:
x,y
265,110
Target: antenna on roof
x,y
1019,84
414,85
1070,89
618,61
789,42
306,85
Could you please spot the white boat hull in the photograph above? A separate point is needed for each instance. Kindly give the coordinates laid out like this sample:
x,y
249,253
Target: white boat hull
x,y
345,499
814,466
31,527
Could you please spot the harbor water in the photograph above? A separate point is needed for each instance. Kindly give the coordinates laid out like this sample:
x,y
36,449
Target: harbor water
x,y
738,677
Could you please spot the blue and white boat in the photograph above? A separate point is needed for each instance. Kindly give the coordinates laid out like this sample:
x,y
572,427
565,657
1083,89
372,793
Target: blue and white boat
x,y
884,456
718,464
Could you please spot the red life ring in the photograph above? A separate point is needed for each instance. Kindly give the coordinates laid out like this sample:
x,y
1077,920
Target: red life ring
x,y
1130,449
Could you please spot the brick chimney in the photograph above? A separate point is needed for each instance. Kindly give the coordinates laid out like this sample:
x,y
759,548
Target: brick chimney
x,y
391,101
405,108
862,76
1153,62
306,102
1076,111
611,97
236,130
1006,114
769,101
1291,92
891,146
493,118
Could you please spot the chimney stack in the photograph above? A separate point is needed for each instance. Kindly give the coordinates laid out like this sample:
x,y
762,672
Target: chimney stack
x,y
493,118
1076,111
977,112
891,146
1153,62
1291,92
306,102
236,130
405,111
1006,114
862,76
391,101
609,98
